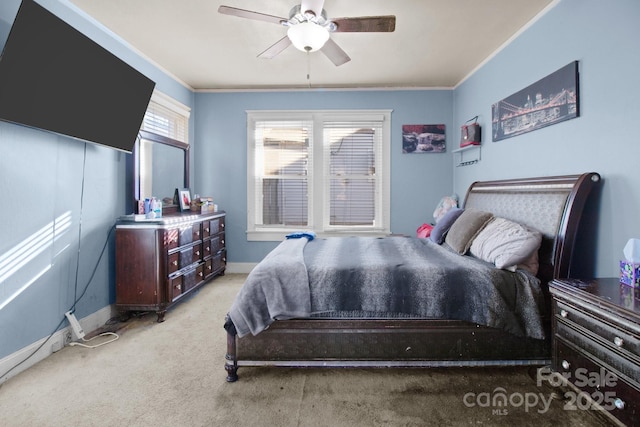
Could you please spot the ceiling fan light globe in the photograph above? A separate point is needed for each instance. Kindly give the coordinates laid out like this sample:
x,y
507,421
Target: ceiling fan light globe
x,y
307,36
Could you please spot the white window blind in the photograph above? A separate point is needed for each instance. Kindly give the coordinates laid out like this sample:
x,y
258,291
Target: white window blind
x,y
282,157
350,183
326,171
167,117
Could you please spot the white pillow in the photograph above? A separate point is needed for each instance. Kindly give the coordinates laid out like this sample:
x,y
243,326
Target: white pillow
x,y
506,244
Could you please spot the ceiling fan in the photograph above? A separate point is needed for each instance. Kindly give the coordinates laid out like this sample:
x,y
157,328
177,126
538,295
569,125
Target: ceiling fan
x,y
309,29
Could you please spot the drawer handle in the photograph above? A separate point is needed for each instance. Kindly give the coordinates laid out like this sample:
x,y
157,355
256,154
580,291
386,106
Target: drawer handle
x,y
222,242
206,229
175,263
178,287
200,274
619,403
618,341
222,225
564,313
565,364
197,233
198,253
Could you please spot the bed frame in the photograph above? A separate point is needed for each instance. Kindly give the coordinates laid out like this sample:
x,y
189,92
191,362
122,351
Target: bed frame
x,y
552,205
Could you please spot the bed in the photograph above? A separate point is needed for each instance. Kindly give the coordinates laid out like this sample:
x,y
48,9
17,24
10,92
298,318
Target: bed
x,y
306,304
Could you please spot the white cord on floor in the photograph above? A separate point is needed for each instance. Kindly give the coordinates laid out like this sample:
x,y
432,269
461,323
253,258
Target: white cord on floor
x,y
97,345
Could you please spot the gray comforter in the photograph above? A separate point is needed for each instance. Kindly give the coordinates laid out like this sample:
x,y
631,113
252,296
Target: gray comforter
x,y
398,276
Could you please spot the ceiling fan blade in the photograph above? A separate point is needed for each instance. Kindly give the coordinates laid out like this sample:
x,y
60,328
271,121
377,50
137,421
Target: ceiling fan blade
x,y
234,11
366,24
313,5
335,53
276,48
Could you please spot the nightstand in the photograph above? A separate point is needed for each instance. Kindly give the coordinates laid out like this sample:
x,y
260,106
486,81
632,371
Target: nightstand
x,y
596,344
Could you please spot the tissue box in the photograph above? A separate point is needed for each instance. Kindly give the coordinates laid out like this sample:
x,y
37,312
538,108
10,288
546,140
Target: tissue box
x,y
630,273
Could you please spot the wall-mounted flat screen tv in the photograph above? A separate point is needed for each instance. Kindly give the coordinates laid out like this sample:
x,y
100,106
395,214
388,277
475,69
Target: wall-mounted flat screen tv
x,y
53,77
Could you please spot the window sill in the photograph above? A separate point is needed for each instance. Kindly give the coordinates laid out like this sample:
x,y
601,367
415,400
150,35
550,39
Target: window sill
x,y
280,235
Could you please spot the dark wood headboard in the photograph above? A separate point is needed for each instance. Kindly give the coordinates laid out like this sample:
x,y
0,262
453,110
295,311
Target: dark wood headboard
x,y
552,205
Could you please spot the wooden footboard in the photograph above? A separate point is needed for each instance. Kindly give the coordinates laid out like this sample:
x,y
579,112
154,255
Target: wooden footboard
x,y
381,343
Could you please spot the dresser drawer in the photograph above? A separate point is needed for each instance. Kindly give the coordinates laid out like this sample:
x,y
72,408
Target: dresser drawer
x,y
185,234
604,386
193,278
216,264
216,244
186,281
196,232
216,225
190,255
184,258
174,263
610,356
176,287
171,237
182,236
610,330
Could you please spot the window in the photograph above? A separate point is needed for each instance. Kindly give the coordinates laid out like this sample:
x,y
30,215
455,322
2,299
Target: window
x,y
326,171
167,117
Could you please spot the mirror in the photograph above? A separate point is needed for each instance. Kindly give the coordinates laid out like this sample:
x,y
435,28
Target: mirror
x,y
161,166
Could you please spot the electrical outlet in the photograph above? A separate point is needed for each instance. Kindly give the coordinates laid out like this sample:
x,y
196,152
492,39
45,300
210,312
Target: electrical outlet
x,y
57,344
67,337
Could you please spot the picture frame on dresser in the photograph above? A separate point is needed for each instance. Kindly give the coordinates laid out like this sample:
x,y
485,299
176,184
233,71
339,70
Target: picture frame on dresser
x,y
183,199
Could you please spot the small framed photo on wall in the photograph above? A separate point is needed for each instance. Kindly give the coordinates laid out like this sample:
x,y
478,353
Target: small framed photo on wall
x,y
423,139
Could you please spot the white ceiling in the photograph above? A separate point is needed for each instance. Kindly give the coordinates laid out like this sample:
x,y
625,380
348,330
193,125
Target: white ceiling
x,y
437,43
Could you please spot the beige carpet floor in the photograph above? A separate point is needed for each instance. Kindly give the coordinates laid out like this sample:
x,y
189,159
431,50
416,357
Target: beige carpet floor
x,y
172,374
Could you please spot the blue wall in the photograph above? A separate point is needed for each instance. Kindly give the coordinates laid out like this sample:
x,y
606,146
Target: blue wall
x,y
418,181
604,37
41,181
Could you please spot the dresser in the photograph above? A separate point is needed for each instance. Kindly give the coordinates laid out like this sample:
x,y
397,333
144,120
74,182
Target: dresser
x,y
160,262
596,344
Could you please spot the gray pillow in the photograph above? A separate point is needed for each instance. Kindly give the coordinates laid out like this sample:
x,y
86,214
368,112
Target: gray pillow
x,y
466,228
507,244
444,224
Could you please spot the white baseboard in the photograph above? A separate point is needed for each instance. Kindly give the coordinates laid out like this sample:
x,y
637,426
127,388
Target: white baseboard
x,y
28,356
239,267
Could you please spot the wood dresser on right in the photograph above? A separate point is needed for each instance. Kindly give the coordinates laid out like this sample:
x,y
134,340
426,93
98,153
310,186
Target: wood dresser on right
x,y
596,344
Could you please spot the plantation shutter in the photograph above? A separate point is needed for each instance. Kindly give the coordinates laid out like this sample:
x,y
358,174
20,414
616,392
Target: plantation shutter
x,y
282,158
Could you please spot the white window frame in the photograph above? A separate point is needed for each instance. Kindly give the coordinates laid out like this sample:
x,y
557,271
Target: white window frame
x,y
317,208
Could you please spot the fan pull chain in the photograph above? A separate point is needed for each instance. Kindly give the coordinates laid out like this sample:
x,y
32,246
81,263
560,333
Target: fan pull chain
x,y
308,70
